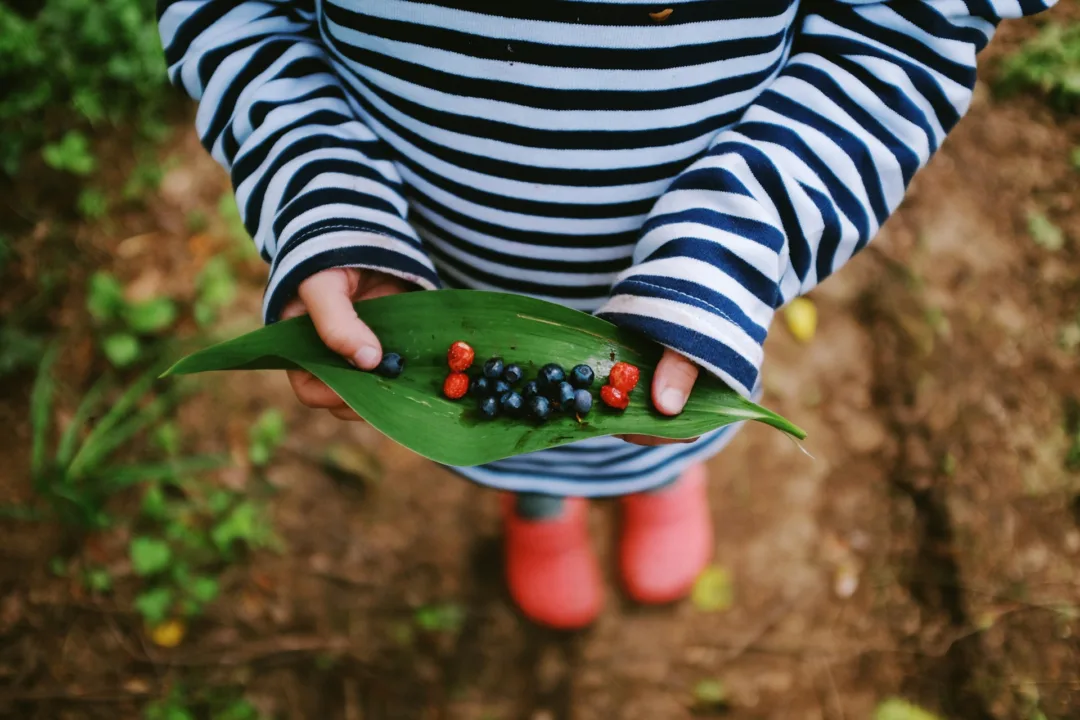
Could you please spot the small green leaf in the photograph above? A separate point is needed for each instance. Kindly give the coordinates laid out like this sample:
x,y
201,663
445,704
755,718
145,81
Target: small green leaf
x,y
713,590
238,710
167,437
93,204
71,154
421,326
154,504
710,693
448,617
266,434
150,316
99,580
149,556
897,709
122,349
243,524
1045,233
1074,156
154,605
104,297
204,589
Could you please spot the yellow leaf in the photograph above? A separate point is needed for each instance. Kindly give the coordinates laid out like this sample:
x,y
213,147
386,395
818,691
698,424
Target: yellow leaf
x,y
712,591
168,634
801,317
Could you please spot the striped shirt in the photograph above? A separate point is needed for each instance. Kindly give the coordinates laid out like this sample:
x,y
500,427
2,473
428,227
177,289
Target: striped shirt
x,y
682,173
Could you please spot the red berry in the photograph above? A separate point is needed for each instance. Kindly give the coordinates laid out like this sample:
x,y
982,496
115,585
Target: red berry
x,y
460,356
614,397
456,385
624,376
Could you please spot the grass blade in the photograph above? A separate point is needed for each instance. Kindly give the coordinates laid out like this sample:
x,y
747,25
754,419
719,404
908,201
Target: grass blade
x,y
66,446
41,398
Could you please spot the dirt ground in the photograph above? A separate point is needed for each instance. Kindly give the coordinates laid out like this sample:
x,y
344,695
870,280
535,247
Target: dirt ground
x,y
930,548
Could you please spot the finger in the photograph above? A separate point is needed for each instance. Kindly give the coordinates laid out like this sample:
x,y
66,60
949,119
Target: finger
x,y
672,383
346,413
327,296
294,308
313,392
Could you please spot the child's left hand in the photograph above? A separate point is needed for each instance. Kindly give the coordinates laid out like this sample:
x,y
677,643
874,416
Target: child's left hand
x,y
674,379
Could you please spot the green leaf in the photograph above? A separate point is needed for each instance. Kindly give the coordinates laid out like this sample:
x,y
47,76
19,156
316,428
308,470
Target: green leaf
x,y
93,204
150,316
149,556
710,694
713,591
65,449
244,524
122,349
238,710
440,618
99,580
104,297
41,397
204,589
71,154
154,605
1045,233
531,332
897,709
265,435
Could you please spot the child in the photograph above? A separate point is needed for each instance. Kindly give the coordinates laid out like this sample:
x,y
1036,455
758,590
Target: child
x,y
681,169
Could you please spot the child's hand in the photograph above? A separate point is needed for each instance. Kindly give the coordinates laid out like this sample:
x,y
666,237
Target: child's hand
x,y
674,379
328,297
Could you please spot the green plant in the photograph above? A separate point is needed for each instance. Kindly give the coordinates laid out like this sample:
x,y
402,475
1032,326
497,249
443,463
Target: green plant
x,y
125,323
71,65
180,704
265,436
93,204
1044,232
191,531
445,617
73,473
18,348
1050,63
216,289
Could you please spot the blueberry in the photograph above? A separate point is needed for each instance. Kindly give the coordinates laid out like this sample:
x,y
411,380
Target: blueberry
x,y
511,403
500,388
581,376
530,390
489,407
391,365
566,395
582,401
550,377
539,408
480,387
513,374
493,368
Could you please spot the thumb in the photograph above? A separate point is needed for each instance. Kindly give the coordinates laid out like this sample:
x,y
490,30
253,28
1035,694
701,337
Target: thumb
x,y
672,383
328,298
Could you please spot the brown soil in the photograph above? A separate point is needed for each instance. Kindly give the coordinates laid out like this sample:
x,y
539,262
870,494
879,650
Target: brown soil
x,y
935,395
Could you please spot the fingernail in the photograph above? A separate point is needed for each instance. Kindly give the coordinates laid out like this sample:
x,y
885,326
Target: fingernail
x,y
672,400
367,357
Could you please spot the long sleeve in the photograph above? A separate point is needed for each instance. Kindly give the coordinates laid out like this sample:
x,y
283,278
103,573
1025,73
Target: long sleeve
x,y
315,187
806,177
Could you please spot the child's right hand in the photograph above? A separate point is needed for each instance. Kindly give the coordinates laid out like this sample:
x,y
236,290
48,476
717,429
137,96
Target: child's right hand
x,y
328,297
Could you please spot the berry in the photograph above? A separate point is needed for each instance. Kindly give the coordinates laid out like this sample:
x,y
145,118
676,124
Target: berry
x,y
614,397
499,388
456,385
539,408
530,390
581,376
489,407
391,365
460,356
511,403
624,376
550,377
565,395
582,401
480,387
513,374
493,368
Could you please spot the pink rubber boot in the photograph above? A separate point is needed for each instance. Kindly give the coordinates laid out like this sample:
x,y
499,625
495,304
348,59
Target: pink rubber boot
x,y
666,539
551,569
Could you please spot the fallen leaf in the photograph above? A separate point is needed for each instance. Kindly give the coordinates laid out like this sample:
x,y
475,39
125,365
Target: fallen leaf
x,y
801,317
168,634
349,461
713,591
662,15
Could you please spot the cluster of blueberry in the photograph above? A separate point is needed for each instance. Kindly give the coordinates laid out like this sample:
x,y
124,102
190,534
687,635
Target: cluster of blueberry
x,y
552,390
